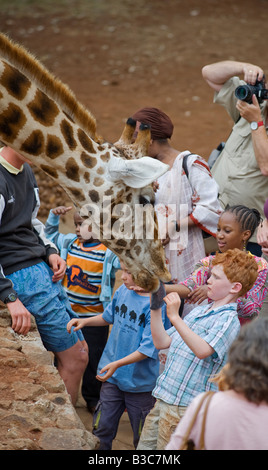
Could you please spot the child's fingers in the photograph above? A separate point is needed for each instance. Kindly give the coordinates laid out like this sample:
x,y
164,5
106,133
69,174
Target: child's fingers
x,y
73,323
171,298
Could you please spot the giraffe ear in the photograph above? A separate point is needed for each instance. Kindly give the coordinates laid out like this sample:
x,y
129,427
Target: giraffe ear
x,y
135,173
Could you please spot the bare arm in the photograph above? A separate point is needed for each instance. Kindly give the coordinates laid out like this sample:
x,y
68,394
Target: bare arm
x,y
198,345
182,290
260,145
79,323
251,112
110,368
160,337
262,236
218,73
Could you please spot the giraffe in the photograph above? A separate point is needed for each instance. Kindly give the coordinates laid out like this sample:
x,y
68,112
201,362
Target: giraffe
x,y
42,120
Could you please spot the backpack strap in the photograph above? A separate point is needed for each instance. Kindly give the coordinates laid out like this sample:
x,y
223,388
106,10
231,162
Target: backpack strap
x,y
184,166
184,163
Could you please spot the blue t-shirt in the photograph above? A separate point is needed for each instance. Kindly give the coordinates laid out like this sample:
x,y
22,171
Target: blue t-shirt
x,y
129,313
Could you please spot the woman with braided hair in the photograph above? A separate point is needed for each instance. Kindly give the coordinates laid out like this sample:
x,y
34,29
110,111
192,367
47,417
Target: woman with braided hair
x,y
235,227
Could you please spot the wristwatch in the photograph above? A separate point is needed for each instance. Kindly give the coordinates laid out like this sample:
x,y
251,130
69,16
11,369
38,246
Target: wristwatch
x,y
10,298
255,125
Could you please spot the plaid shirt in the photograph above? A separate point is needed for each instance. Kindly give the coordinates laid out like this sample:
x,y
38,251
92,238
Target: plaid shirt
x,y
185,376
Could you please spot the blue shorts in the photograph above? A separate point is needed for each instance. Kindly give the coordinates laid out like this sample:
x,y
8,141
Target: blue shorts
x,y
48,303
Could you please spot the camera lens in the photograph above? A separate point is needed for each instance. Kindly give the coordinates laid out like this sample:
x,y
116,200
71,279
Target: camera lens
x,y
243,93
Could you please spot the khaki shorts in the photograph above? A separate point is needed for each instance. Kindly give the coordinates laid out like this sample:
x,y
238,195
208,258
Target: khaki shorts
x,y
159,425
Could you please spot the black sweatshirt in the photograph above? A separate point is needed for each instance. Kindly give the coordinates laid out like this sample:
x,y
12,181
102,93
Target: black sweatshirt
x,y
20,243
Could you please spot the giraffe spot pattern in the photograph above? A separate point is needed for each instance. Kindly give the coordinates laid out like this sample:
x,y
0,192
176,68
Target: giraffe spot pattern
x,y
137,250
129,254
77,194
50,171
72,170
129,197
34,144
43,109
122,242
54,146
87,177
12,120
88,161
68,134
105,157
85,141
94,195
15,82
98,181
100,170
109,192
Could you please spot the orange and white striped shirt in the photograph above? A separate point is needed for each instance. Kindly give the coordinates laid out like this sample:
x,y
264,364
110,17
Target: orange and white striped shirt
x,y
82,281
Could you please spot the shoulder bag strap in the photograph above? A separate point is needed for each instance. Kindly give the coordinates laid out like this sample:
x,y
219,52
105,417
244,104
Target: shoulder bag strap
x,y
202,434
186,437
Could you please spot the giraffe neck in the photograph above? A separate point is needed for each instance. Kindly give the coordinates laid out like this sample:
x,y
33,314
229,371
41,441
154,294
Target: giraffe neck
x,y
35,126
42,120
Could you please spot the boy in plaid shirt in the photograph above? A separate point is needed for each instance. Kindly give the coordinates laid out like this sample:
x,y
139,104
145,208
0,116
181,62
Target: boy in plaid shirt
x,y
198,344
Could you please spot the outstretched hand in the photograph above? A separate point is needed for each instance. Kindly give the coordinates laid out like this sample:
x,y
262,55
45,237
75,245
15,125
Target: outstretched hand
x,y
77,323
61,210
109,369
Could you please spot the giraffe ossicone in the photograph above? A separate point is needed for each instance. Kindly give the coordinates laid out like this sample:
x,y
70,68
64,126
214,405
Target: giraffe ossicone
x,y
41,119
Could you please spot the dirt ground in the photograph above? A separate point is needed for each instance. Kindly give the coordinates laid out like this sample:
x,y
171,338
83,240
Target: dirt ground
x,y
120,55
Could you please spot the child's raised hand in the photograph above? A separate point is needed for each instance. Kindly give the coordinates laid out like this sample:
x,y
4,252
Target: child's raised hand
x,y
61,210
173,303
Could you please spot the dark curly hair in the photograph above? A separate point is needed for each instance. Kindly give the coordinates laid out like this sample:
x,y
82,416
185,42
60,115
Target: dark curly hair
x,y
247,368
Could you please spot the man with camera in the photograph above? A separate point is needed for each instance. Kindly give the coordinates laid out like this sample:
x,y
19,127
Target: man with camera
x,y
241,169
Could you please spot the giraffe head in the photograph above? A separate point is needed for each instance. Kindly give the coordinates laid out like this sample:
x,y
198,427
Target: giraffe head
x,y
42,120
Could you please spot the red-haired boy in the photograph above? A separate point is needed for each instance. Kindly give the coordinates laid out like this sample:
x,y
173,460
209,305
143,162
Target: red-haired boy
x,y
198,343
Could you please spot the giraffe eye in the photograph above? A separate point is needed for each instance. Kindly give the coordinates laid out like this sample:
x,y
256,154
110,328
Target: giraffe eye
x,y
144,200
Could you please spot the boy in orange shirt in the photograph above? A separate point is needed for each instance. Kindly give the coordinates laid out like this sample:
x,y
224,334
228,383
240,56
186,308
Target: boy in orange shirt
x,y
82,283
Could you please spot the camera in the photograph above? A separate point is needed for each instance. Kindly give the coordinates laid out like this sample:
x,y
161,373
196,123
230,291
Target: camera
x,y
245,92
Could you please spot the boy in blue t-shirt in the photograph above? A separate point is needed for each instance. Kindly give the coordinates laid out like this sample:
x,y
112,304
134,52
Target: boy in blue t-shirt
x,y
129,365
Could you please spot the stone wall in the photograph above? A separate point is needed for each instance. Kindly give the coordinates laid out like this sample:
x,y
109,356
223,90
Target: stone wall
x,y
35,410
